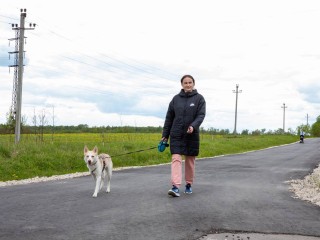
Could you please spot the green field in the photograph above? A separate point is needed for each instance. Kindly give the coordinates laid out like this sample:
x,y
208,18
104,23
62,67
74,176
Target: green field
x,y
63,153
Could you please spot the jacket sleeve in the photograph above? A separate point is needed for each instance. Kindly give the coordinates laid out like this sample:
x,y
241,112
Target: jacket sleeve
x,y
201,113
168,121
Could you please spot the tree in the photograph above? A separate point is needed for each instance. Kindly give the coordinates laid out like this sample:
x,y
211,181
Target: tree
x,y
305,128
278,131
43,121
11,122
315,128
256,132
245,132
291,131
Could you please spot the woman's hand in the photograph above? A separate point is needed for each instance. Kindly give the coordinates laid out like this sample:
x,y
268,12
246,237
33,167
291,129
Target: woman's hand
x,y
190,130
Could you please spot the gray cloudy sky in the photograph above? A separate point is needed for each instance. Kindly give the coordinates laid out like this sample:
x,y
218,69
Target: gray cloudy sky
x,y
119,62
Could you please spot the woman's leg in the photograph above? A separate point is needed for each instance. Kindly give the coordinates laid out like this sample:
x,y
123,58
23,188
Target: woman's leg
x,y
176,170
189,169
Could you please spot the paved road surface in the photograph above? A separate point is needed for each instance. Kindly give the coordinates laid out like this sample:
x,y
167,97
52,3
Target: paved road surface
x,y
232,193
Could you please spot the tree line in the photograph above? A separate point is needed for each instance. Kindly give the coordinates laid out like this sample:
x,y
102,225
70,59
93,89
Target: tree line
x,y
41,127
313,130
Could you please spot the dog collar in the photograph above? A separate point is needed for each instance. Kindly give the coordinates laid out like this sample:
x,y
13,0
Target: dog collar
x,y
93,171
104,166
93,164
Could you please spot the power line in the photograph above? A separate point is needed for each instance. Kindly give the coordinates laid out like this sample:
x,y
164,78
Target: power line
x,y
125,65
109,64
16,19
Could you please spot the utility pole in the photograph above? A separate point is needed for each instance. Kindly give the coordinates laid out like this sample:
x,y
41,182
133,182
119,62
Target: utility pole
x,y
307,119
18,71
284,116
236,111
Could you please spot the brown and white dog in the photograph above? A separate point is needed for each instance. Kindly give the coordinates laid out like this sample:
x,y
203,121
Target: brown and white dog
x,y
100,167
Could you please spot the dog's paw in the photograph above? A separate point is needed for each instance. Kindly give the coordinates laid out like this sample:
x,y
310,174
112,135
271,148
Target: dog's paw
x,y
108,191
94,195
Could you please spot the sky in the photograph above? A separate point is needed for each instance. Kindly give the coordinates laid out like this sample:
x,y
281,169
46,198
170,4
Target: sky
x,y
119,62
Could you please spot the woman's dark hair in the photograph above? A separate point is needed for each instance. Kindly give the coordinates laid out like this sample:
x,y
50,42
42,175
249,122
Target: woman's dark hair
x,y
189,76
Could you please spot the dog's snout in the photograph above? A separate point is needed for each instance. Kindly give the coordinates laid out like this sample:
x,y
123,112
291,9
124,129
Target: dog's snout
x,y
89,161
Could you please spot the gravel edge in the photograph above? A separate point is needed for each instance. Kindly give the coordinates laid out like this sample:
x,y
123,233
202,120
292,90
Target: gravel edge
x,y
307,189
60,177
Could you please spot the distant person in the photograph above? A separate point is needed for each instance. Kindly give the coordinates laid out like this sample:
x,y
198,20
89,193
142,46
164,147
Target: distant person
x,y
185,114
301,136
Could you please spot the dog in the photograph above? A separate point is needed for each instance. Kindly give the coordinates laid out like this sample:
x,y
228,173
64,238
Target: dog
x,y
100,167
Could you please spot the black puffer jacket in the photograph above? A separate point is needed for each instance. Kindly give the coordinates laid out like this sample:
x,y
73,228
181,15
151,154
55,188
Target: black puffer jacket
x,y
185,109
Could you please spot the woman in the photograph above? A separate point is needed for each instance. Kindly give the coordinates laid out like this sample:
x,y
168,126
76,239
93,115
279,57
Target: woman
x,y
185,114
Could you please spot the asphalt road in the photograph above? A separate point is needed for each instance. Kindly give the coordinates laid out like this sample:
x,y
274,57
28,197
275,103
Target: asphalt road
x,y
245,192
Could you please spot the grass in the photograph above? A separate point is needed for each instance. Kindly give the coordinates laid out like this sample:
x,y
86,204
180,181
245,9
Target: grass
x,y
63,153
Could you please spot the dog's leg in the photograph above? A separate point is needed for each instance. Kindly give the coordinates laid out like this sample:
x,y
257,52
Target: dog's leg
x,y
102,181
109,175
108,183
94,177
96,190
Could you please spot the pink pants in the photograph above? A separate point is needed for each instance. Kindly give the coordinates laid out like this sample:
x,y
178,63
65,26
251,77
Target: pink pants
x,y
176,169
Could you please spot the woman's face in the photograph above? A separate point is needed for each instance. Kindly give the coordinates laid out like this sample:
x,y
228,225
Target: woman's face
x,y
187,84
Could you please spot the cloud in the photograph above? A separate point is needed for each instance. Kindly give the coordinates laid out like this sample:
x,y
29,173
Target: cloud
x,y
311,93
4,57
116,65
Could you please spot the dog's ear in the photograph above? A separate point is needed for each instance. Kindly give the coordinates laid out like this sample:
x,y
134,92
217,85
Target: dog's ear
x,y
95,149
85,150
